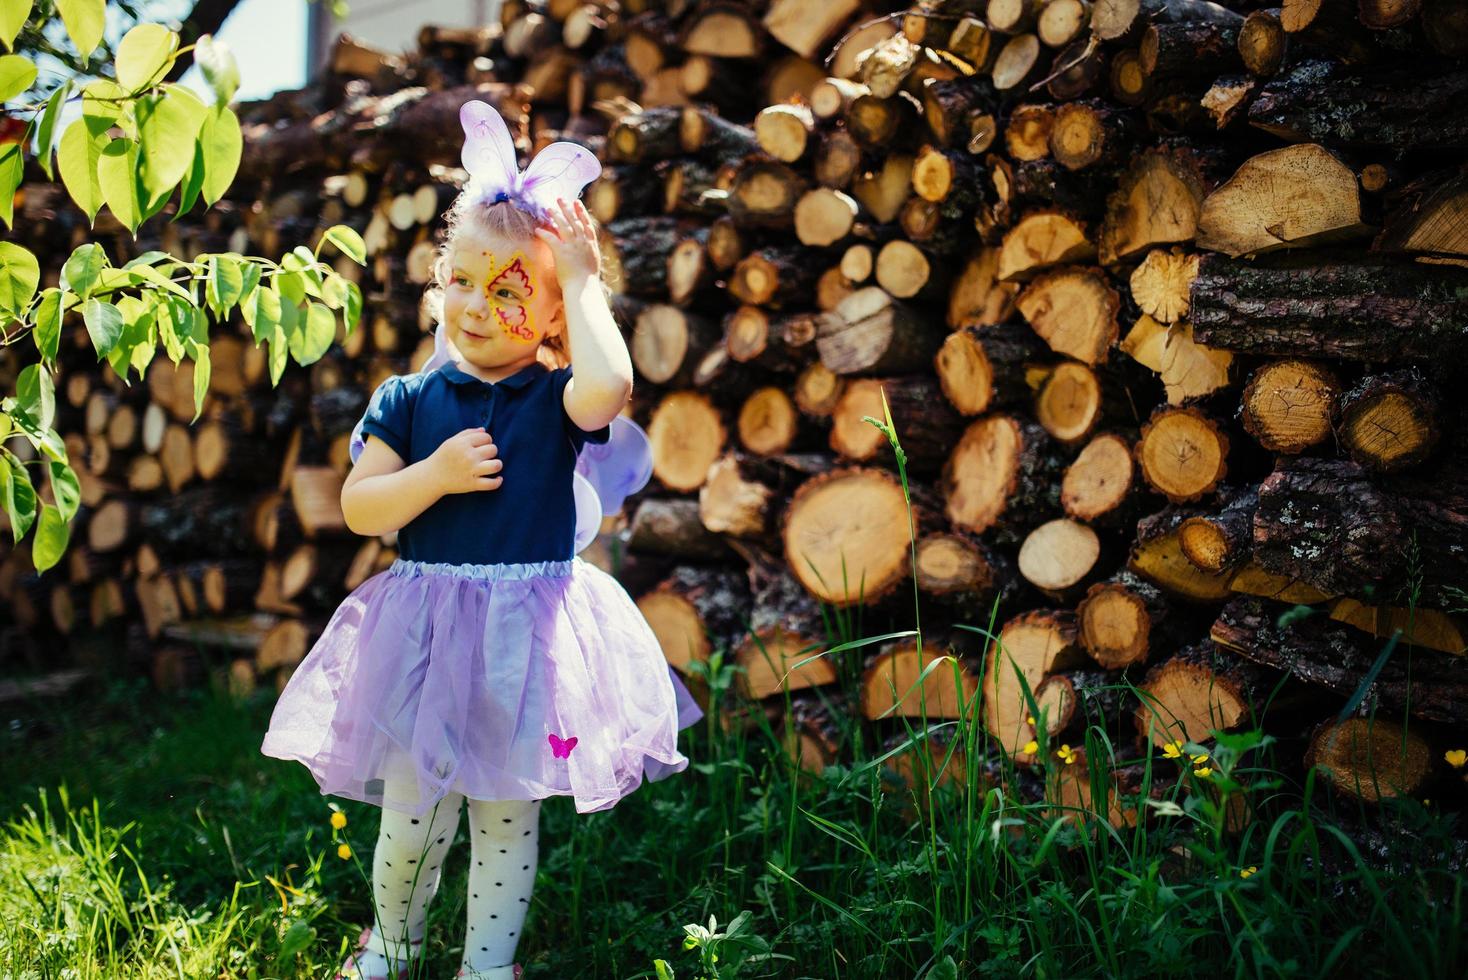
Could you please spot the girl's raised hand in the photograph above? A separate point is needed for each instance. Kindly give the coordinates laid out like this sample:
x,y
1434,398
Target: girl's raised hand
x,y
466,461
572,241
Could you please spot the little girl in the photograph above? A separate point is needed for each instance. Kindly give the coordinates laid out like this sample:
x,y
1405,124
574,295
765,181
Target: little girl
x,y
489,663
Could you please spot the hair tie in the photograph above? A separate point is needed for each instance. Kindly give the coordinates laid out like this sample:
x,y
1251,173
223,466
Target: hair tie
x,y
560,170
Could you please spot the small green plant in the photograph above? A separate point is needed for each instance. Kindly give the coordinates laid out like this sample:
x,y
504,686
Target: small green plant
x,y
741,946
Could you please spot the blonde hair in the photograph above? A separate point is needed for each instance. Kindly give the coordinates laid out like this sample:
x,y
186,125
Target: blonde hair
x,y
504,221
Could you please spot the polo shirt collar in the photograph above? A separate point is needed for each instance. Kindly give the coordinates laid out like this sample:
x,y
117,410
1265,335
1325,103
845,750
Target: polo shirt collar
x,y
519,379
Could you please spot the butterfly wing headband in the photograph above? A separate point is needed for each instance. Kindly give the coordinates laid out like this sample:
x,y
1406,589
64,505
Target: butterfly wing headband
x,y
560,170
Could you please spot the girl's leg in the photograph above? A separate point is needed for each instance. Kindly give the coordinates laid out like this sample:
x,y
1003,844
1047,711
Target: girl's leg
x,y
407,867
504,837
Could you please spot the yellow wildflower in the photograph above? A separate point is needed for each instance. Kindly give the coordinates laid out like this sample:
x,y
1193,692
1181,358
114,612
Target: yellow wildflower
x,y
1029,719
1203,772
338,820
1198,760
1246,872
1456,757
1067,754
344,852
1173,749
1031,747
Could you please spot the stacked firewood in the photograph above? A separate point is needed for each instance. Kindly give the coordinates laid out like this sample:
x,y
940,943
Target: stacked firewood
x,y
1164,300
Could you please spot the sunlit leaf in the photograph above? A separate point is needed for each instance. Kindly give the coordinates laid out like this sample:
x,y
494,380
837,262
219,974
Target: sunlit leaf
x,y
117,173
82,269
20,273
46,132
84,20
224,284
35,392
217,62
350,243
52,535
104,325
143,55
168,125
16,494
200,354
278,353
12,170
17,73
313,335
13,15
65,488
47,333
221,143
77,157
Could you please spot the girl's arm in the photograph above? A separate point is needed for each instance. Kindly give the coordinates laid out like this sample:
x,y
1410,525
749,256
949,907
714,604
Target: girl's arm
x,y
382,494
602,381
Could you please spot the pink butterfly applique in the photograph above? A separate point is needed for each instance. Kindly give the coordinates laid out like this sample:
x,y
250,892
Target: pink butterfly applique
x,y
561,747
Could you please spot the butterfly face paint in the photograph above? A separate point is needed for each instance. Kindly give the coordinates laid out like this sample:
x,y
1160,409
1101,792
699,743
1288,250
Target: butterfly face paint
x,y
508,291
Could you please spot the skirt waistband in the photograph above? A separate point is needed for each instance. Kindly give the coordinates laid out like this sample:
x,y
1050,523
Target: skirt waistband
x,y
496,572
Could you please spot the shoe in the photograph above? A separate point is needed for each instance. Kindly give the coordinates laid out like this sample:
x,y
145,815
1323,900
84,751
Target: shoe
x,y
519,972
351,970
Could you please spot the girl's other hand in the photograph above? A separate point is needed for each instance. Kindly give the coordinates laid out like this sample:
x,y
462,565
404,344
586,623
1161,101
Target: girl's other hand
x,y
572,242
466,461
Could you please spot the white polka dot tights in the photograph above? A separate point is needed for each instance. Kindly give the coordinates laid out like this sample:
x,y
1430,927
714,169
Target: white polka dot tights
x,y
407,867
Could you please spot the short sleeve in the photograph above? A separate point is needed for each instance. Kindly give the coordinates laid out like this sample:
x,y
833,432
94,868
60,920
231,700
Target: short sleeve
x,y
390,415
579,436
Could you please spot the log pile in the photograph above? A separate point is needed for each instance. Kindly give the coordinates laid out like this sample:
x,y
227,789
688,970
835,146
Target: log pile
x,y
1164,298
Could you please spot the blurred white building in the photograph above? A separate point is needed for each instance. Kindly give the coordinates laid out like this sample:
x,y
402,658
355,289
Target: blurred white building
x,y
388,24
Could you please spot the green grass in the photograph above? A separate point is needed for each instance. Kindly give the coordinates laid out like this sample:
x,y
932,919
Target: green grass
x,y
152,839
146,836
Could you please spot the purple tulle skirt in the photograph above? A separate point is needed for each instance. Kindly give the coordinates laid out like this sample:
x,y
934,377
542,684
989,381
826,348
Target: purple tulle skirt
x,y
500,682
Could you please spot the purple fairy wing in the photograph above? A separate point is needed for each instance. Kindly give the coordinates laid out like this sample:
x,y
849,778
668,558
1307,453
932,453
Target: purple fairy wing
x,y
489,150
588,512
560,170
618,467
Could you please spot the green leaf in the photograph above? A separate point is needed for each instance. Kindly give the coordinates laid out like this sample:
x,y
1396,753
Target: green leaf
x,y
249,275
348,241
20,273
84,20
220,139
140,274
47,334
313,334
224,285
52,535
17,73
46,133
104,325
291,285
263,313
200,353
12,170
35,393
168,329
144,53
17,494
192,184
168,125
278,350
353,312
217,62
150,258
334,291
77,158
80,272
107,104
65,488
117,172
13,15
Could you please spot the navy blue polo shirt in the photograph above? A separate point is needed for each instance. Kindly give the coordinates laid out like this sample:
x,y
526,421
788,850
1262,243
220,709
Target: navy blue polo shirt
x,y
531,517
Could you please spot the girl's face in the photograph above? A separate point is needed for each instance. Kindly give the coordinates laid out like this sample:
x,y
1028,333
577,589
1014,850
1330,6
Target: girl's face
x,y
502,299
